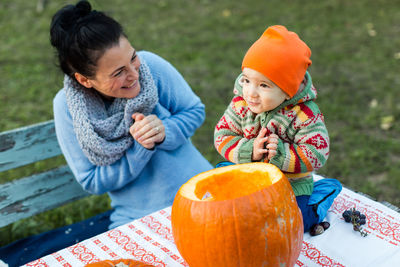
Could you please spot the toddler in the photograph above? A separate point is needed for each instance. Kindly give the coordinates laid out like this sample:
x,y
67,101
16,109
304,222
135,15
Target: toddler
x,y
273,118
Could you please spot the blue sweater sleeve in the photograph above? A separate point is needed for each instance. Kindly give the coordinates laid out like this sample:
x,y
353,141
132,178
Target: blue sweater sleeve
x,y
187,111
95,179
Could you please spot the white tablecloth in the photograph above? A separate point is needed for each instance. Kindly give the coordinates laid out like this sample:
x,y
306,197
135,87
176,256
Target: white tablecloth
x,y
149,239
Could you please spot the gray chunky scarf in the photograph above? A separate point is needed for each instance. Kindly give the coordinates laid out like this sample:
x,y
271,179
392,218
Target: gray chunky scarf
x,y
103,133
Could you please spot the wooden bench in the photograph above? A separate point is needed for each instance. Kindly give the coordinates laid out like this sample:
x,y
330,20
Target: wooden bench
x,y
40,192
31,195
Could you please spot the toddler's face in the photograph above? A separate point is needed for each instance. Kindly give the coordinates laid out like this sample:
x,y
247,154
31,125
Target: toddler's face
x,y
260,93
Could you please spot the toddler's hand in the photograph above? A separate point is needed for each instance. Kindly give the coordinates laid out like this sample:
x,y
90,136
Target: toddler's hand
x,y
147,130
272,145
259,145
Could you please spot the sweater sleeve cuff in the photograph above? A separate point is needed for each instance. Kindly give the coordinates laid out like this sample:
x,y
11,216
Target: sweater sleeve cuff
x,y
245,152
139,152
279,158
169,142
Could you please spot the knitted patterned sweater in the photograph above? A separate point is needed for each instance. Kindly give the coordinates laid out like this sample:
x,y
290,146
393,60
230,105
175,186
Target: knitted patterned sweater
x,y
303,144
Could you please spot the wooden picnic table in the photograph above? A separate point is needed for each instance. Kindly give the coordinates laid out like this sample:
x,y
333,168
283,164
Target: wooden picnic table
x,y
150,239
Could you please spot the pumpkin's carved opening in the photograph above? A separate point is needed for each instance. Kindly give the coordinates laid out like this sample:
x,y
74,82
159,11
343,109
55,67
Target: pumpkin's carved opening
x,y
232,182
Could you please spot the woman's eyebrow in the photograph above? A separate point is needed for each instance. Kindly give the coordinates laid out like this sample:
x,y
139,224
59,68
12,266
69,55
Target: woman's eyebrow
x,y
117,70
120,68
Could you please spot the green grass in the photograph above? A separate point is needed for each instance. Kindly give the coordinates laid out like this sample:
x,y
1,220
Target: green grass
x,y
356,63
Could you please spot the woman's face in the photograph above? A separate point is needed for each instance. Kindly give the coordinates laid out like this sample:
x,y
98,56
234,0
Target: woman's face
x,y
117,72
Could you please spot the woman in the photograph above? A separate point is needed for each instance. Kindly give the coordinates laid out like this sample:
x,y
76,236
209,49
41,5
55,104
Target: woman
x,y
124,118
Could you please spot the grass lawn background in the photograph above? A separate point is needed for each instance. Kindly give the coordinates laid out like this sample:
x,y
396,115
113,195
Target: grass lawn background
x,y
356,63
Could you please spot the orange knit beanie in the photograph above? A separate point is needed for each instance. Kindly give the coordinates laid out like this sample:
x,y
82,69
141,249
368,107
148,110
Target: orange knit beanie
x,y
281,56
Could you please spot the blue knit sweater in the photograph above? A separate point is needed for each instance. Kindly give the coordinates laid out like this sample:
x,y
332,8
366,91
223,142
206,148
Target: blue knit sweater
x,y
142,181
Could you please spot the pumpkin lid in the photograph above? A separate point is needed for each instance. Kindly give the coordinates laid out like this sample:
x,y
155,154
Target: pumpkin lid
x,y
230,181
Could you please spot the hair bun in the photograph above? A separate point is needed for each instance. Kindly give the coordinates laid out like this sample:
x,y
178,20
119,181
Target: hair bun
x,y
81,35
67,20
83,8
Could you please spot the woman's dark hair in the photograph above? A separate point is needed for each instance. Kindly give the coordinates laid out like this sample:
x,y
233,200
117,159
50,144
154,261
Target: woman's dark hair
x,y
81,36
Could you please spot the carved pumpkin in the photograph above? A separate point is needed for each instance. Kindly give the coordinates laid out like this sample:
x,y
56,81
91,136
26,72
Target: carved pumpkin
x,y
239,215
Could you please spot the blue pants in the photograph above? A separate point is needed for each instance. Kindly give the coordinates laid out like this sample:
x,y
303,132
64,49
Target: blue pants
x,y
315,207
310,217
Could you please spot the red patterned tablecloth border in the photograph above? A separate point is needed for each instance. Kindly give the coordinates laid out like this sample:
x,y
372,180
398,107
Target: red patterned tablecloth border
x,y
106,249
314,254
171,254
82,253
61,260
157,227
133,248
38,263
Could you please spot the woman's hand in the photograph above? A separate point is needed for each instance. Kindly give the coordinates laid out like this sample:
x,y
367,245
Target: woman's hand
x,y
147,130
